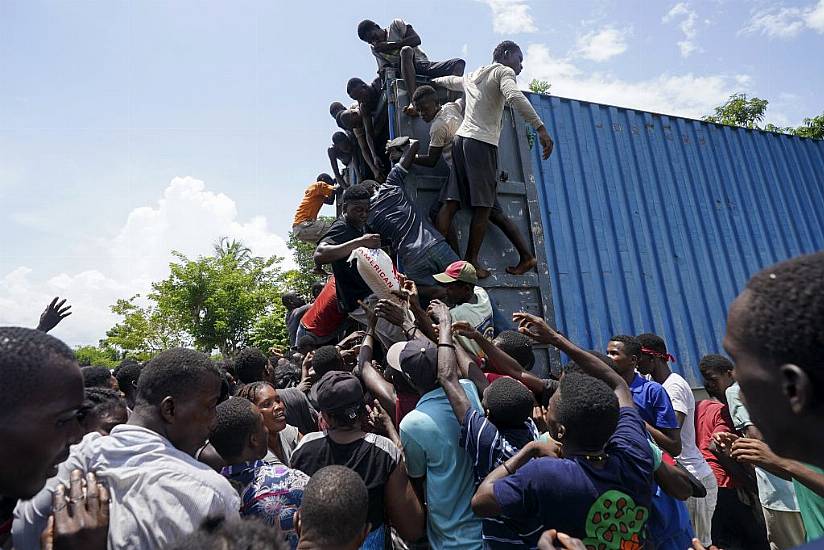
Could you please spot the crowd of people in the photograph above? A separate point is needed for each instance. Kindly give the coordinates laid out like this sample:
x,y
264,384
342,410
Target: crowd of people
x,y
408,419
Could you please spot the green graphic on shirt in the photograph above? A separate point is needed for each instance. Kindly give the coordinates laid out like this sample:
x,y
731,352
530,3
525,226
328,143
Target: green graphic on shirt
x,y
614,522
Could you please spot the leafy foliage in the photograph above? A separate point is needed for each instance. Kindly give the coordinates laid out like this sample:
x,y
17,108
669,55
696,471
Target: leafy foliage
x,y
539,86
740,110
221,302
749,112
93,355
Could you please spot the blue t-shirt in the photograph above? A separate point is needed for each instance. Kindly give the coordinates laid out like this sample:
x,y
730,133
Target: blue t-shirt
x,y
489,448
394,216
669,522
653,403
430,435
598,502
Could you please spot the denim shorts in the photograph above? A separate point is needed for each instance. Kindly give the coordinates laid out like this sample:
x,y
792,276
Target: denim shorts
x,y
434,260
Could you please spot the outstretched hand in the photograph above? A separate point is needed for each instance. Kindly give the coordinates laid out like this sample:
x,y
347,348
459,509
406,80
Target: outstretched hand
x,y
53,314
81,520
465,329
439,312
536,328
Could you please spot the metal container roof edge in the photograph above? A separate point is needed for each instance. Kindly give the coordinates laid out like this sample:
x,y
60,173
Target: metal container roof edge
x,y
655,222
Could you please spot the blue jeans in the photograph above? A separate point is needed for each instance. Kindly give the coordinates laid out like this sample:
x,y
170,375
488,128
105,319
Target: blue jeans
x,y
433,260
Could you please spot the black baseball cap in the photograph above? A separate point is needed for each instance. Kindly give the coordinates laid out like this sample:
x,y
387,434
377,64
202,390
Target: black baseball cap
x,y
417,360
339,391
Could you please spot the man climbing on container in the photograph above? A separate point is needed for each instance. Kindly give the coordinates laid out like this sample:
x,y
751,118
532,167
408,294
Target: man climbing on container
x,y
349,120
343,149
475,151
420,250
374,116
306,226
397,47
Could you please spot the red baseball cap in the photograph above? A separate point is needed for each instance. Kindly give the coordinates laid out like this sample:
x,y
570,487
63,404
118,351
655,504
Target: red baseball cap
x,y
458,271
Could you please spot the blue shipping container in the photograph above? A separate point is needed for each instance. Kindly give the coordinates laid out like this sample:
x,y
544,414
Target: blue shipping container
x,y
654,223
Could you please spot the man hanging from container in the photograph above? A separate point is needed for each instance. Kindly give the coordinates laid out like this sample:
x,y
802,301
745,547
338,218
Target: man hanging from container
x,y
398,47
475,152
306,226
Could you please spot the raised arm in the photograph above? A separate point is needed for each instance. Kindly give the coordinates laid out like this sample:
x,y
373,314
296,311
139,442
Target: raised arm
x,y
499,360
537,329
372,380
447,361
55,312
409,154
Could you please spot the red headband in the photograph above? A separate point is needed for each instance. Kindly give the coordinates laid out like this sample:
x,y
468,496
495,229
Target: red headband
x,y
658,354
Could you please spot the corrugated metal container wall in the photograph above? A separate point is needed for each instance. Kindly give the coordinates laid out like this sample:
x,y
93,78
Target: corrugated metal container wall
x,y
654,223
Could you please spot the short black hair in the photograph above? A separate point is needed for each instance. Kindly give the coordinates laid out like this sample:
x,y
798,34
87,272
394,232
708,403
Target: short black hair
x,y
98,401
339,137
424,91
784,319
123,363
326,358
236,420
356,192
516,345
631,344
292,298
127,376
234,534
715,363
24,356
588,409
334,507
250,365
306,341
96,376
353,83
509,402
364,27
335,107
503,49
176,372
317,288
286,376
652,341
326,178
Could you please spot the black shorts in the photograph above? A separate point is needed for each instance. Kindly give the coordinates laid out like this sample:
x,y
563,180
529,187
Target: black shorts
x,y
474,180
434,69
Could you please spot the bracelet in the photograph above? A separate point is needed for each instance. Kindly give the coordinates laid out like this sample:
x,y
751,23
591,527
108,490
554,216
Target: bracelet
x,y
446,345
413,328
506,467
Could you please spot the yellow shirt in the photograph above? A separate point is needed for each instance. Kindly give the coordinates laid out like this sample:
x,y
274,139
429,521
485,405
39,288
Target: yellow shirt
x,y
312,202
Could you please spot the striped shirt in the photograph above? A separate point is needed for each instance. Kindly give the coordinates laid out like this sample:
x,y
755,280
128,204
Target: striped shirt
x,y
489,448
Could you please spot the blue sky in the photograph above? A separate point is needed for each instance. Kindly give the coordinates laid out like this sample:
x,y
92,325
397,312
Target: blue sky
x,y
130,128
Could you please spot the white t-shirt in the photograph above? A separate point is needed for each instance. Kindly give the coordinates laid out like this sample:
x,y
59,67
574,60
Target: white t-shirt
x,y
443,129
683,401
479,315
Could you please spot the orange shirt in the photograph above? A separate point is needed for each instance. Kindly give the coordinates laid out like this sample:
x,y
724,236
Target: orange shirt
x,y
312,201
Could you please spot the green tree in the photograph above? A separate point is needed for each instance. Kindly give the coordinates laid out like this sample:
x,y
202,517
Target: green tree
x,y
144,330
300,280
811,128
226,247
740,110
218,299
94,355
539,86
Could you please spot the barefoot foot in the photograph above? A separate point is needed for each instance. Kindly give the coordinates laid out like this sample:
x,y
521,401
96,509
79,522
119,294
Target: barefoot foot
x,y
525,265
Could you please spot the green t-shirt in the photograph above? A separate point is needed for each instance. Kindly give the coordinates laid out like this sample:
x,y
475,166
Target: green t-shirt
x,y
812,508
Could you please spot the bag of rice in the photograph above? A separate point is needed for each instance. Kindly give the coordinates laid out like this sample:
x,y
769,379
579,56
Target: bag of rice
x,y
376,269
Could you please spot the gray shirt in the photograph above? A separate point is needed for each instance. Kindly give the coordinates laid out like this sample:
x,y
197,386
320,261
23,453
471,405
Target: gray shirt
x,y
158,493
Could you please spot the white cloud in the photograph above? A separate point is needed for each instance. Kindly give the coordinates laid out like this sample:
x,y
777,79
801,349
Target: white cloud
x,y
187,218
687,95
688,19
511,16
784,22
602,44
